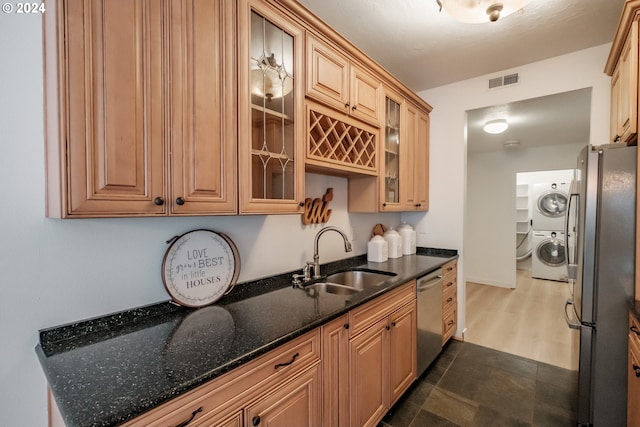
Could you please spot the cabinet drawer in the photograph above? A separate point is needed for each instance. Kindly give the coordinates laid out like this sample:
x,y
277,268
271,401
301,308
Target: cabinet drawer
x,y
449,299
449,324
449,284
362,317
231,390
450,269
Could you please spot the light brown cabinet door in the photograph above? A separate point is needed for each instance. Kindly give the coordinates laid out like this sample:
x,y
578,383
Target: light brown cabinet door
x,y
203,128
366,93
421,172
409,157
108,143
327,74
369,376
297,403
403,350
335,373
270,110
624,90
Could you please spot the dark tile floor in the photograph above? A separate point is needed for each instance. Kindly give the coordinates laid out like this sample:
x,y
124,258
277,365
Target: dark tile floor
x,y
470,385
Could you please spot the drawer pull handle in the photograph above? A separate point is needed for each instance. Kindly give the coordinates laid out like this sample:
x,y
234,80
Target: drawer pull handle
x,y
193,415
636,369
635,330
449,269
280,365
255,421
449,299
450,322
449,284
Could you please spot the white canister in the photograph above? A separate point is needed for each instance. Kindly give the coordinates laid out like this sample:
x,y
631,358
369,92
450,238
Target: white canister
x,y
408,235
377,249
395,243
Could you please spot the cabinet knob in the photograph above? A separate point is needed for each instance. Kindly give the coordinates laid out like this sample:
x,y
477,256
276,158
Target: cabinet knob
x,y
418,205
636,369
393,324
180,201
384,205
354,108
255,421
387,327
301,204
635,330
616,138
450,322
346,326
158,201
347,105
449,299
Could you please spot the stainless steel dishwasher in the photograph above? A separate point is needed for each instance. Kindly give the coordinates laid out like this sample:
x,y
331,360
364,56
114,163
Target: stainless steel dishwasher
x,y
429,290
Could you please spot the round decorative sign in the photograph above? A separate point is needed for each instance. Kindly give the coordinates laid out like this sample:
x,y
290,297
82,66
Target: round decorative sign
x,y
199,267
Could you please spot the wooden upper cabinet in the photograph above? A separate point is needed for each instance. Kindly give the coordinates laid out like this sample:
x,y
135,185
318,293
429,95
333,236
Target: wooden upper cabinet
x,y
622,66
338,82
624,91
104,108
270,110
124,89
202,102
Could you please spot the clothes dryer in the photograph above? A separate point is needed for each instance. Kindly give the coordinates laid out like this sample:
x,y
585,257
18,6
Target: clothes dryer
x,y
549,256
550,204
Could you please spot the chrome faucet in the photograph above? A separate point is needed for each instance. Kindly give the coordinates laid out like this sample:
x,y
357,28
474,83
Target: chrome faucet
x,y
316,257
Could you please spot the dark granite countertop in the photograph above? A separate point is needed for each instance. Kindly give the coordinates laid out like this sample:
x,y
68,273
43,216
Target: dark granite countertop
x,y
108,370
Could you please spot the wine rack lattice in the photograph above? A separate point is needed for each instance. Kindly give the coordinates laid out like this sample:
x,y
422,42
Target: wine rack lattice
x,y
337,141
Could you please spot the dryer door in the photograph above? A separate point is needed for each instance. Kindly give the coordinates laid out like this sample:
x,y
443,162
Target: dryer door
x,y
552,204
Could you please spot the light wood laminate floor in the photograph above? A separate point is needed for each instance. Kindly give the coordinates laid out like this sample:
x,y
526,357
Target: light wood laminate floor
x,y
527,321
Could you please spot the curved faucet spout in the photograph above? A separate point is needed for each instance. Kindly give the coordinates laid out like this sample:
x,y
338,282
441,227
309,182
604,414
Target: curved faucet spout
x,y
316,256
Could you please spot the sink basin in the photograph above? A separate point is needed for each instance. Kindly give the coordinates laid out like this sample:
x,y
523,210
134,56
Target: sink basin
x,y
331,288
359,279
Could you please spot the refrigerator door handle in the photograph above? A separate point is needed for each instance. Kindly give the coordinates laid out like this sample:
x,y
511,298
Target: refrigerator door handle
x,y
572,243
570,324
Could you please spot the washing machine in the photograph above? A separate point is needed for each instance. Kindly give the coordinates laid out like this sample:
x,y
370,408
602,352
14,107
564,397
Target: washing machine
x,y
549,256
550,203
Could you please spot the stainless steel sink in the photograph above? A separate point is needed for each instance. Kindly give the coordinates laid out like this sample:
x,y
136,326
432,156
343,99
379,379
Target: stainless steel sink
x,y
359,279
331,288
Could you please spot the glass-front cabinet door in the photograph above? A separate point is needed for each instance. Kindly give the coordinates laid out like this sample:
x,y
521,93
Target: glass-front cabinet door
x,y
393,143
270,103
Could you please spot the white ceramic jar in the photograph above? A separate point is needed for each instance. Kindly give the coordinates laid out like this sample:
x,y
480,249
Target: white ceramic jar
x,y
408,235
394,240
377,249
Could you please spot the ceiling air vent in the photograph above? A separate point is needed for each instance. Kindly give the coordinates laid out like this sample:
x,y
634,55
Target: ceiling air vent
x,y
509,79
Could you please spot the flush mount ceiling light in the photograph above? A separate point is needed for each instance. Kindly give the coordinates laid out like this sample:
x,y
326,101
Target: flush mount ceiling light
x,y
495,126
478,11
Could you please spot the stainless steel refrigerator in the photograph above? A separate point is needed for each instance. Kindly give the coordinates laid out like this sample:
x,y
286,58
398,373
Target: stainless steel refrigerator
x,y
600,230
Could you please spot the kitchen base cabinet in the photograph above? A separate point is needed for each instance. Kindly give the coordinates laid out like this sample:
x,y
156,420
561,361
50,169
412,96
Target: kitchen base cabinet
x,y
335,372
382,354
449,300
296,403
268,390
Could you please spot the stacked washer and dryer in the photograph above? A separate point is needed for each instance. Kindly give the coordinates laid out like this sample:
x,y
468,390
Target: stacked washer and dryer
x,y
548,241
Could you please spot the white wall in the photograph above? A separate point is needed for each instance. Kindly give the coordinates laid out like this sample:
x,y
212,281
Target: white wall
x,y
59,271
444,225
490,228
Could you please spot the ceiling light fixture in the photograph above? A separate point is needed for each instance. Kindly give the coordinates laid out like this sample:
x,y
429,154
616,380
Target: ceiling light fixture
x,y
479,11
495,126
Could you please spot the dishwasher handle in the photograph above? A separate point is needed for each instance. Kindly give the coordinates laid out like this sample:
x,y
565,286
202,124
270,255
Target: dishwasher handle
x,y
430,281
